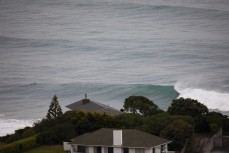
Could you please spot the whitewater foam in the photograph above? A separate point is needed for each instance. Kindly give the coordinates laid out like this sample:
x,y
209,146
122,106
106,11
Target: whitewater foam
x,y
8,126
212,99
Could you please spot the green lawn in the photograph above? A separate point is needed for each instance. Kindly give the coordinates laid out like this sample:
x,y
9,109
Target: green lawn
x,y
47,149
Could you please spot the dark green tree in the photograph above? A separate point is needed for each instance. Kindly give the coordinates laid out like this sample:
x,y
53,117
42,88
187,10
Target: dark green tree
x,y
215,121
193,108
158,122
54,109
57,134
187,106
141,105
178,131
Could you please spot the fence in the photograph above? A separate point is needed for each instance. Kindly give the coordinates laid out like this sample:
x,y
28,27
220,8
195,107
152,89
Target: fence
x,y
215,141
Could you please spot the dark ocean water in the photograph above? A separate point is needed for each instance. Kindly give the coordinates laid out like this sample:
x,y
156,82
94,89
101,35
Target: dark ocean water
x,y
110,49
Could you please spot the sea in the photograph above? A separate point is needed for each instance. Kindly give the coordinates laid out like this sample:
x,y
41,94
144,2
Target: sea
x,y
110,50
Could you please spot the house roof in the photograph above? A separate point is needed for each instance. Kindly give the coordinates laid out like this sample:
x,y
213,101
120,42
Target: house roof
x,y
92,106
131,138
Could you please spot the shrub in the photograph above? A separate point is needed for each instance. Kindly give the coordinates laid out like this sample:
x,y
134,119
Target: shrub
x,y
178,131
57,134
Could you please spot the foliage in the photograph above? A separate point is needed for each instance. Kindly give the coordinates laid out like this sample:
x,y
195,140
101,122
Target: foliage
x,y
226,124
142,105
19,134
47,149
130,121
57,134
20,146
157,123
215,121
178,131
193,108
187,106
54,109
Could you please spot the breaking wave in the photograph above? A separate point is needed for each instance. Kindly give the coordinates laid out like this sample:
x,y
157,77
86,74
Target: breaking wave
x,y
212,99
8,126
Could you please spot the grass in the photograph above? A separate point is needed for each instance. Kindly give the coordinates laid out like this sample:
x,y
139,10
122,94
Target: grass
x,y
47,149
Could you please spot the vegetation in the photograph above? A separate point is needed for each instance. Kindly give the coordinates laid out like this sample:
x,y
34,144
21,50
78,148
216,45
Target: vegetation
x,y
178,131
215,121
57,134
142,105
177,124
47,149
20,146
19,134
54,109
193,108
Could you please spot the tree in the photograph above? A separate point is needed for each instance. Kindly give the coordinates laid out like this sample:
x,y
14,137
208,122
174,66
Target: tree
x,y
193,108
57,134
187,106
178,131
158,122
215,121
54,109
142,105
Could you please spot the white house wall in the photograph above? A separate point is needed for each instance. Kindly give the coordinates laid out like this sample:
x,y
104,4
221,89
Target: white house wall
x,y
131,150
158,149
103,149
148,150
117,150
166,147
91,149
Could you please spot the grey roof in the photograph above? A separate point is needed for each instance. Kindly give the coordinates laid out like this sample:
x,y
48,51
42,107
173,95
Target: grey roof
x,y
92,106
131,138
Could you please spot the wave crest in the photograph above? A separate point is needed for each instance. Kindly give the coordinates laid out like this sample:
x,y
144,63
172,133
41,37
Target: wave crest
x,y
212,99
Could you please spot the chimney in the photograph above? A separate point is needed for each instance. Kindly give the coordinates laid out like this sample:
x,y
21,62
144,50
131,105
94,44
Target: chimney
x,y
85,100
117,137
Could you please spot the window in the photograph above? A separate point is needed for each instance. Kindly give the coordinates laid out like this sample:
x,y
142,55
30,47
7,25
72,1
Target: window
x,y
125,150
81,149
153,150
98,150
110,150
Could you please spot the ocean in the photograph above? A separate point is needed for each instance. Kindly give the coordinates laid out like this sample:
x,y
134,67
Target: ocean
x,y
110,49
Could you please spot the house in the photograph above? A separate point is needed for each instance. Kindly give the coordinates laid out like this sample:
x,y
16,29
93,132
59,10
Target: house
x,y
107,140
92,106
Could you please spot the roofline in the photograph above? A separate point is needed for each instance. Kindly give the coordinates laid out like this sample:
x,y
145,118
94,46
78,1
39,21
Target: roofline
x,y
121,146
162,144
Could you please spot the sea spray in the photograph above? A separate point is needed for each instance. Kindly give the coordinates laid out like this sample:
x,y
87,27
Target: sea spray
x,y
212,99
8,126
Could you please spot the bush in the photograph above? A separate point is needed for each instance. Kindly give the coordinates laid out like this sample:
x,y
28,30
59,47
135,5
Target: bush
x,y
20,146
19,134
214,128
57,134
156,123
178,131
215,121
